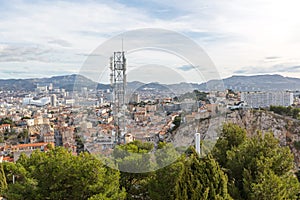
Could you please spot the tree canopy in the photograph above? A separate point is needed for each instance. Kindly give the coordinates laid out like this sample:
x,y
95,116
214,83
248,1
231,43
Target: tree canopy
x,y
58,174
239,167
3,183
288,111
257,167
202,178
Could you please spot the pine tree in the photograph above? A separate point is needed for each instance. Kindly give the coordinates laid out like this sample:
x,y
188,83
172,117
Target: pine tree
x,y
202,178
260,169
3,183
134,162
170,167
58,174
268,185
231,136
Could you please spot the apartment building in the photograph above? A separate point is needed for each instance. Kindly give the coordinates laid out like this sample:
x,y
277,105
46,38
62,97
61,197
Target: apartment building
x,y
266,99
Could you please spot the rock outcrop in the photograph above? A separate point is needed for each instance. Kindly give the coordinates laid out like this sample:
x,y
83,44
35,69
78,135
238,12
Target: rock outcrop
x,y
286,129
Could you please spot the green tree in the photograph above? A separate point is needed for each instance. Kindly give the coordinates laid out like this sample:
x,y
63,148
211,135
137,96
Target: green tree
x,y
271,186
288,111
188,177
169,165
176,122
134,162
58,174
162,184
7,120
257,167
196,95
297,145
231,136
202,178
3,183
24,134
257,162
25,187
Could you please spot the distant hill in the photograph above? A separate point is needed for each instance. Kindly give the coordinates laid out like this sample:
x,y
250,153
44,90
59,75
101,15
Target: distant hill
x,y
241,83
67,82
262,83
246,83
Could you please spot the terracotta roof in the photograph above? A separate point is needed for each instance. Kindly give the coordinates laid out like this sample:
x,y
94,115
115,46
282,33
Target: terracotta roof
x,y
8,159
31,145
5,125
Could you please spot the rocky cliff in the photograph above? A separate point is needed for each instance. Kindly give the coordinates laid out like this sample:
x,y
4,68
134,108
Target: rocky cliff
x,y
286,129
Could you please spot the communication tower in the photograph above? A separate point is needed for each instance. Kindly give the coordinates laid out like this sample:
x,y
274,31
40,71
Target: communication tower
x,y
118,84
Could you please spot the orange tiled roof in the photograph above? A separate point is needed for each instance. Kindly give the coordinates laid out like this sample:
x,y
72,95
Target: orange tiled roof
x,y
32,145
8,159
5,125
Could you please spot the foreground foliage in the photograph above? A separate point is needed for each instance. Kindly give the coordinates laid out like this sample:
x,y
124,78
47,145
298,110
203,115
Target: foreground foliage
x,y
58,174
3,183
239,167
202,179
257,167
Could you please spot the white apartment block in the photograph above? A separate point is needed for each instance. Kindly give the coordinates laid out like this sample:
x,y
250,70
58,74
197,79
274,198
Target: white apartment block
x,y
266,99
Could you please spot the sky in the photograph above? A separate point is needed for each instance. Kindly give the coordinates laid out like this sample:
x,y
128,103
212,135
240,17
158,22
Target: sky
x,y
250,37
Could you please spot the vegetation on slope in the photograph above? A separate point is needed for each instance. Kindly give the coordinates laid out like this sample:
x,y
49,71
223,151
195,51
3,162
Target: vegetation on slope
x,y
239,167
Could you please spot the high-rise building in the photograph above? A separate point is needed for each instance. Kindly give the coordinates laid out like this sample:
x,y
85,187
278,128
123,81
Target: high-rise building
x,y
41,88
135,97
50,87
266,99
53,100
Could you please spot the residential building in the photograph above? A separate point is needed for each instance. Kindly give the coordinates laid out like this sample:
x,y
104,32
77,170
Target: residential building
x,y
266,99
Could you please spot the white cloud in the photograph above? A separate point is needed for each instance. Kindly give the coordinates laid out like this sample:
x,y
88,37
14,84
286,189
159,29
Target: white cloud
x,y
235,34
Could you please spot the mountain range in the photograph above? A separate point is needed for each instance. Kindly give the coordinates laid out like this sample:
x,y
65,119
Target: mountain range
x,y
240,83
261,83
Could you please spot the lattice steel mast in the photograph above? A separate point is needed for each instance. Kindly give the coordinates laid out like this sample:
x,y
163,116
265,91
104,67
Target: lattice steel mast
x,y
118,84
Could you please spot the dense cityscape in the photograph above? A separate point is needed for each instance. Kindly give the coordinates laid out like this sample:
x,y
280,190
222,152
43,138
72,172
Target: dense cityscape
x,y
83,120
149,100
51,115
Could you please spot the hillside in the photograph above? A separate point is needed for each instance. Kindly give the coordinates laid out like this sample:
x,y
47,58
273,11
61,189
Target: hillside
x,y
241,83
67,82
286,129
259,83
